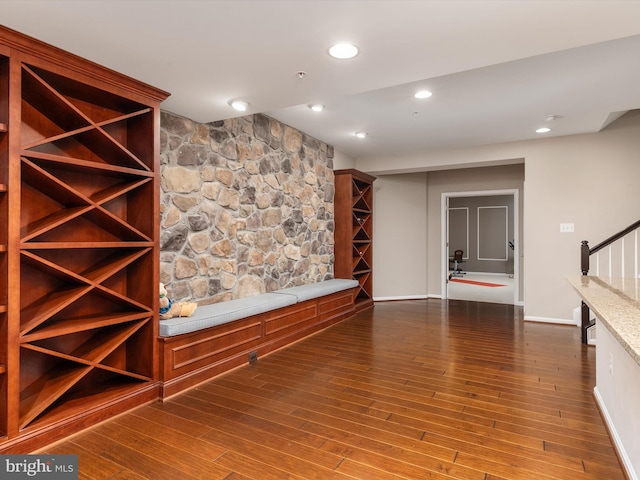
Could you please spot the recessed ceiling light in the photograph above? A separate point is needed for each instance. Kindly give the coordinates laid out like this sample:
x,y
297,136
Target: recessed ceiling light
x,y
239,105
316,107
543,130
423,94
361,134
343,51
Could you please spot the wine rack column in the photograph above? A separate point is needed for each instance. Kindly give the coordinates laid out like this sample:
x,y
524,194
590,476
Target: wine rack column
x,y
79,242
87,239
354,232
4,217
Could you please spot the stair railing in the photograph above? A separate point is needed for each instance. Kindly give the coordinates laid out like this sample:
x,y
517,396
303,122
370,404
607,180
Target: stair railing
x,y
619,239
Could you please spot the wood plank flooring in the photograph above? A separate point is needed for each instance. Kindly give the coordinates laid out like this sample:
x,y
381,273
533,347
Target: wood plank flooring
x,y
409,390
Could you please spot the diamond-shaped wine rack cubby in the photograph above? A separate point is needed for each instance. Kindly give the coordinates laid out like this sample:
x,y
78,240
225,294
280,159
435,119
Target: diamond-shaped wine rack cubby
x,y
86,246
354,232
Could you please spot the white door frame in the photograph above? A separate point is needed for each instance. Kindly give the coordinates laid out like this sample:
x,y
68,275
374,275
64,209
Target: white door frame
x,y
444,248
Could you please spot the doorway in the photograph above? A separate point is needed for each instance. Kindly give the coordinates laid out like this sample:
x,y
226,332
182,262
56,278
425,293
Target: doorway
x,y
485,225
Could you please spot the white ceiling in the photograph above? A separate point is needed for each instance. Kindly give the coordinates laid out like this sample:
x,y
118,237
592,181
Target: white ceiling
x,y
496,68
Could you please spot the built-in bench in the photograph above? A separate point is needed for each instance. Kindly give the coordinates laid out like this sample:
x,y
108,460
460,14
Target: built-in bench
x,y
221,336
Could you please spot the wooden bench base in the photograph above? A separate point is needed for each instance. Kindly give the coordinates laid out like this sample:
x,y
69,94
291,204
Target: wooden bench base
x,y
192,358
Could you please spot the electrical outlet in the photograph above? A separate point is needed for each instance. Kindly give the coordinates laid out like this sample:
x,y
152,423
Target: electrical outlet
x,y
253,357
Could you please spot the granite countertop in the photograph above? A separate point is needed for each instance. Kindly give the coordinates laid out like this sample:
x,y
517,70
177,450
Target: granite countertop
x,y
616,303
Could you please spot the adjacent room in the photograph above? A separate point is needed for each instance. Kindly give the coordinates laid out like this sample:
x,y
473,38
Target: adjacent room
x,y
480,245
326,239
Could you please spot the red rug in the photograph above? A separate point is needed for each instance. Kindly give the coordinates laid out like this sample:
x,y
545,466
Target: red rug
x,y
473,282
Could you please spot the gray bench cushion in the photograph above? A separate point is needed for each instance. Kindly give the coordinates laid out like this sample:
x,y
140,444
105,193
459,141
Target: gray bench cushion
x,y
319,289
218,313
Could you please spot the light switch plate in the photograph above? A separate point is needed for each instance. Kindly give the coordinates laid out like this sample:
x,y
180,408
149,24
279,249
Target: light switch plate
x,y
567,228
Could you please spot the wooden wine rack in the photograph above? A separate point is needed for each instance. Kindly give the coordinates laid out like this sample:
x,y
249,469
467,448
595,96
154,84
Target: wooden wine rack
x,y
4,219
79,193
354,232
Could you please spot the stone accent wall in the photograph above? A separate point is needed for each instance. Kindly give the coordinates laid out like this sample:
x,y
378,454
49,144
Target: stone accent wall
x,y
247,208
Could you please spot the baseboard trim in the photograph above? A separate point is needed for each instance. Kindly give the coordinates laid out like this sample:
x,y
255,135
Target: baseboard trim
x,y
439,297
559,321
615,438
402,297
495,274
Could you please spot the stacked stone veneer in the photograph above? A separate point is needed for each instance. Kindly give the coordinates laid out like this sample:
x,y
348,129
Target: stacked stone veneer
x,y
247,208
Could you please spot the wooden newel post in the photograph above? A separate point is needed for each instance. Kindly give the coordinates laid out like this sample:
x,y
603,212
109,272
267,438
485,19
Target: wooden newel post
x,y
584,257
584,311
585,321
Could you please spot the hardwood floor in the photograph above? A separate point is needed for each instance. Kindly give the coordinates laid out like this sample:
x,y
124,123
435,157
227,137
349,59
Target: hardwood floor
x,y
408,390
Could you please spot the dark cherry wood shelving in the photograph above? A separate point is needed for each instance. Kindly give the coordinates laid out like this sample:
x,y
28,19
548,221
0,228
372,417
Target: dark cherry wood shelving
x,y
354,232
81,324
47,387
78,324
103,263
72,405
4,238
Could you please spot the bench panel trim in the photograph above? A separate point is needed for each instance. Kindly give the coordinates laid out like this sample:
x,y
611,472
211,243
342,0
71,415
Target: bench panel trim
x,y
289,320
184,364
183,350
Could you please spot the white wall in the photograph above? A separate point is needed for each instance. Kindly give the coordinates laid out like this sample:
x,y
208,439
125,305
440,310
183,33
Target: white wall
x,y
400,237
589,180
342,161
617,392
